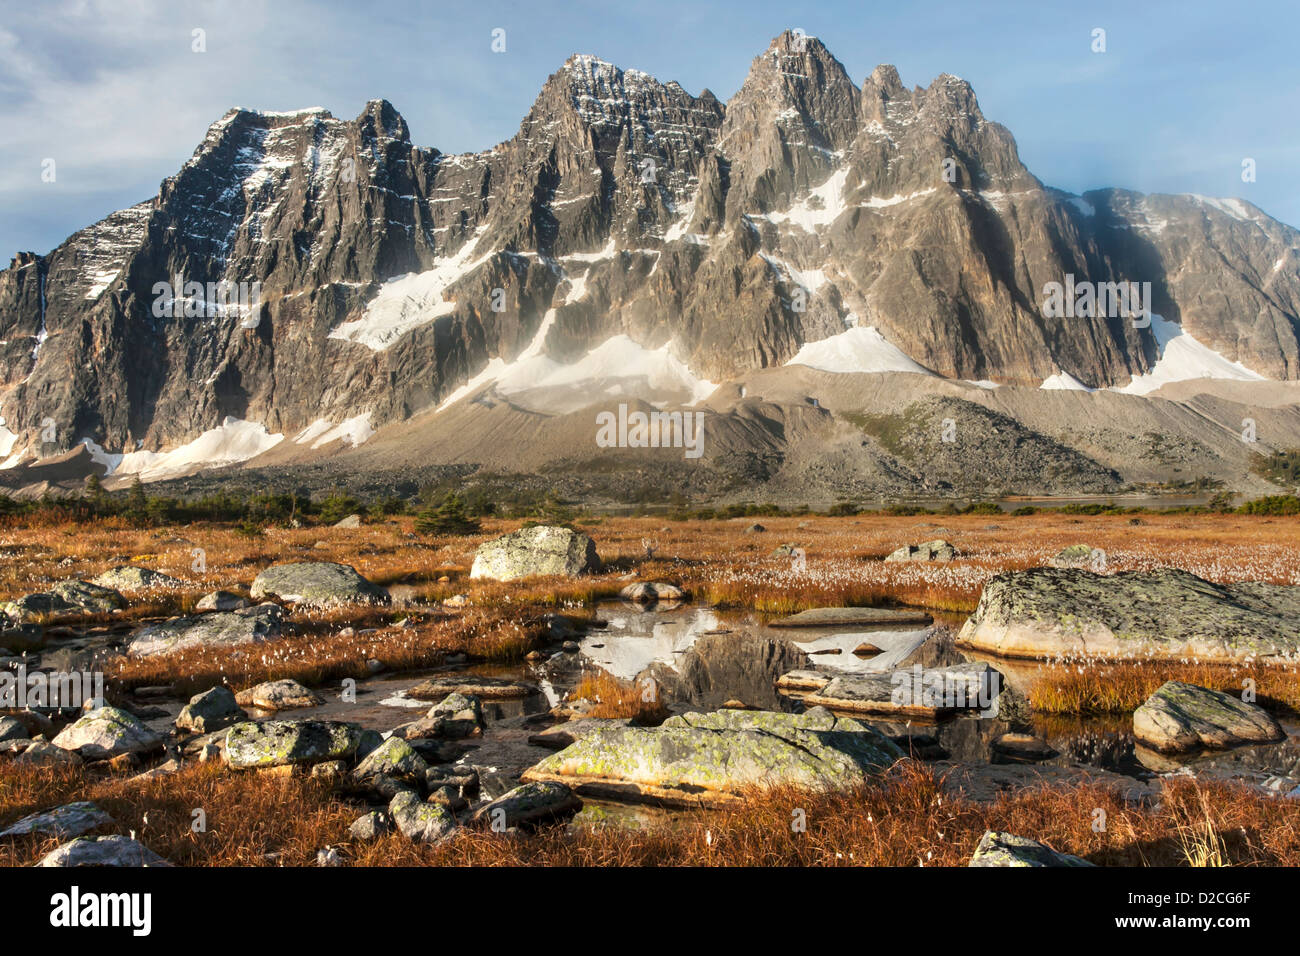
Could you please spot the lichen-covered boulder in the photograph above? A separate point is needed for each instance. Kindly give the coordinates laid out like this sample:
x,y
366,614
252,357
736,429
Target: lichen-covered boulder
x,y
129,578
936,550
1007,849
221,601
69,820
1167,614
64,599
418,821
1080,556
316,584
1180,717
211,710
284,694
251,625
107,732
544,549
528,805
710,759
278,743
103,851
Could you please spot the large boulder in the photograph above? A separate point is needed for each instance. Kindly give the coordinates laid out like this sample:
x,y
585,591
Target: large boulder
x,y
711,759
544,549
103,851
212,710
107,732
316,584
1007,849
129,578
936,550
1180,717
251,625
1166,614
278,743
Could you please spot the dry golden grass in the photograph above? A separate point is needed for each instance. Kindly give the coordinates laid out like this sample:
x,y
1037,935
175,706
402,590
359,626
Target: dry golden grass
x,y
1088,687
903,818
616,698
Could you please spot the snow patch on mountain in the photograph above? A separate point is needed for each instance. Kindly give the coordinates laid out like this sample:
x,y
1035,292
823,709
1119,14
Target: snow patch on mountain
x,y
1183,358
231,442
1064,381
859,349
407,302
352,432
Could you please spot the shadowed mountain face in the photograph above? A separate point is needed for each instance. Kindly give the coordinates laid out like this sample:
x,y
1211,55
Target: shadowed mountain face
x,y
385,276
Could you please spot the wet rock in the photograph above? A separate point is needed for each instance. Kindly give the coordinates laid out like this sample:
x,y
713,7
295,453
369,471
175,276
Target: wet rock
x,y
316,584
471,685
528,805
1006,849
711,759
936,550
107,732
911,692
1080,556
652,593
222,601
276,743
867,649
69,820
129,578
252,625
540,550
371,826
853,617
214,709
285,694
103,851
419,821
1166,614
1180,717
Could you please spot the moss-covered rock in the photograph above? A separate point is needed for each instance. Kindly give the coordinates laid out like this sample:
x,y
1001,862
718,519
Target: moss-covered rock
x,y
316,584
277,743
1180,717
419,821
543,549
709,759
1164,614
107,732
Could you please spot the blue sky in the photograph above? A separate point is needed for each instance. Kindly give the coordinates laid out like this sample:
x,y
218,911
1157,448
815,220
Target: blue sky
x,y
114,94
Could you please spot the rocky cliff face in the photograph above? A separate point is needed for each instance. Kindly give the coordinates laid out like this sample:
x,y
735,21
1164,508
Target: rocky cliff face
x,y
387,276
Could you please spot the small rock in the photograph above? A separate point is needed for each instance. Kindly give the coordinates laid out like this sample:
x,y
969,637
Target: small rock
x,y
222,601
371,826
107,732
103,851
419,821
286,694
1006,849
212,710
528,805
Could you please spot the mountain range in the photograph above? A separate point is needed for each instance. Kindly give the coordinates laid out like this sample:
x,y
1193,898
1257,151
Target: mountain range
x,y
808,261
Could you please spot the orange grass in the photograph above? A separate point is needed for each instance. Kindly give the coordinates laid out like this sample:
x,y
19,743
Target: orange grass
x,y
616,698
1089,687
906,817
